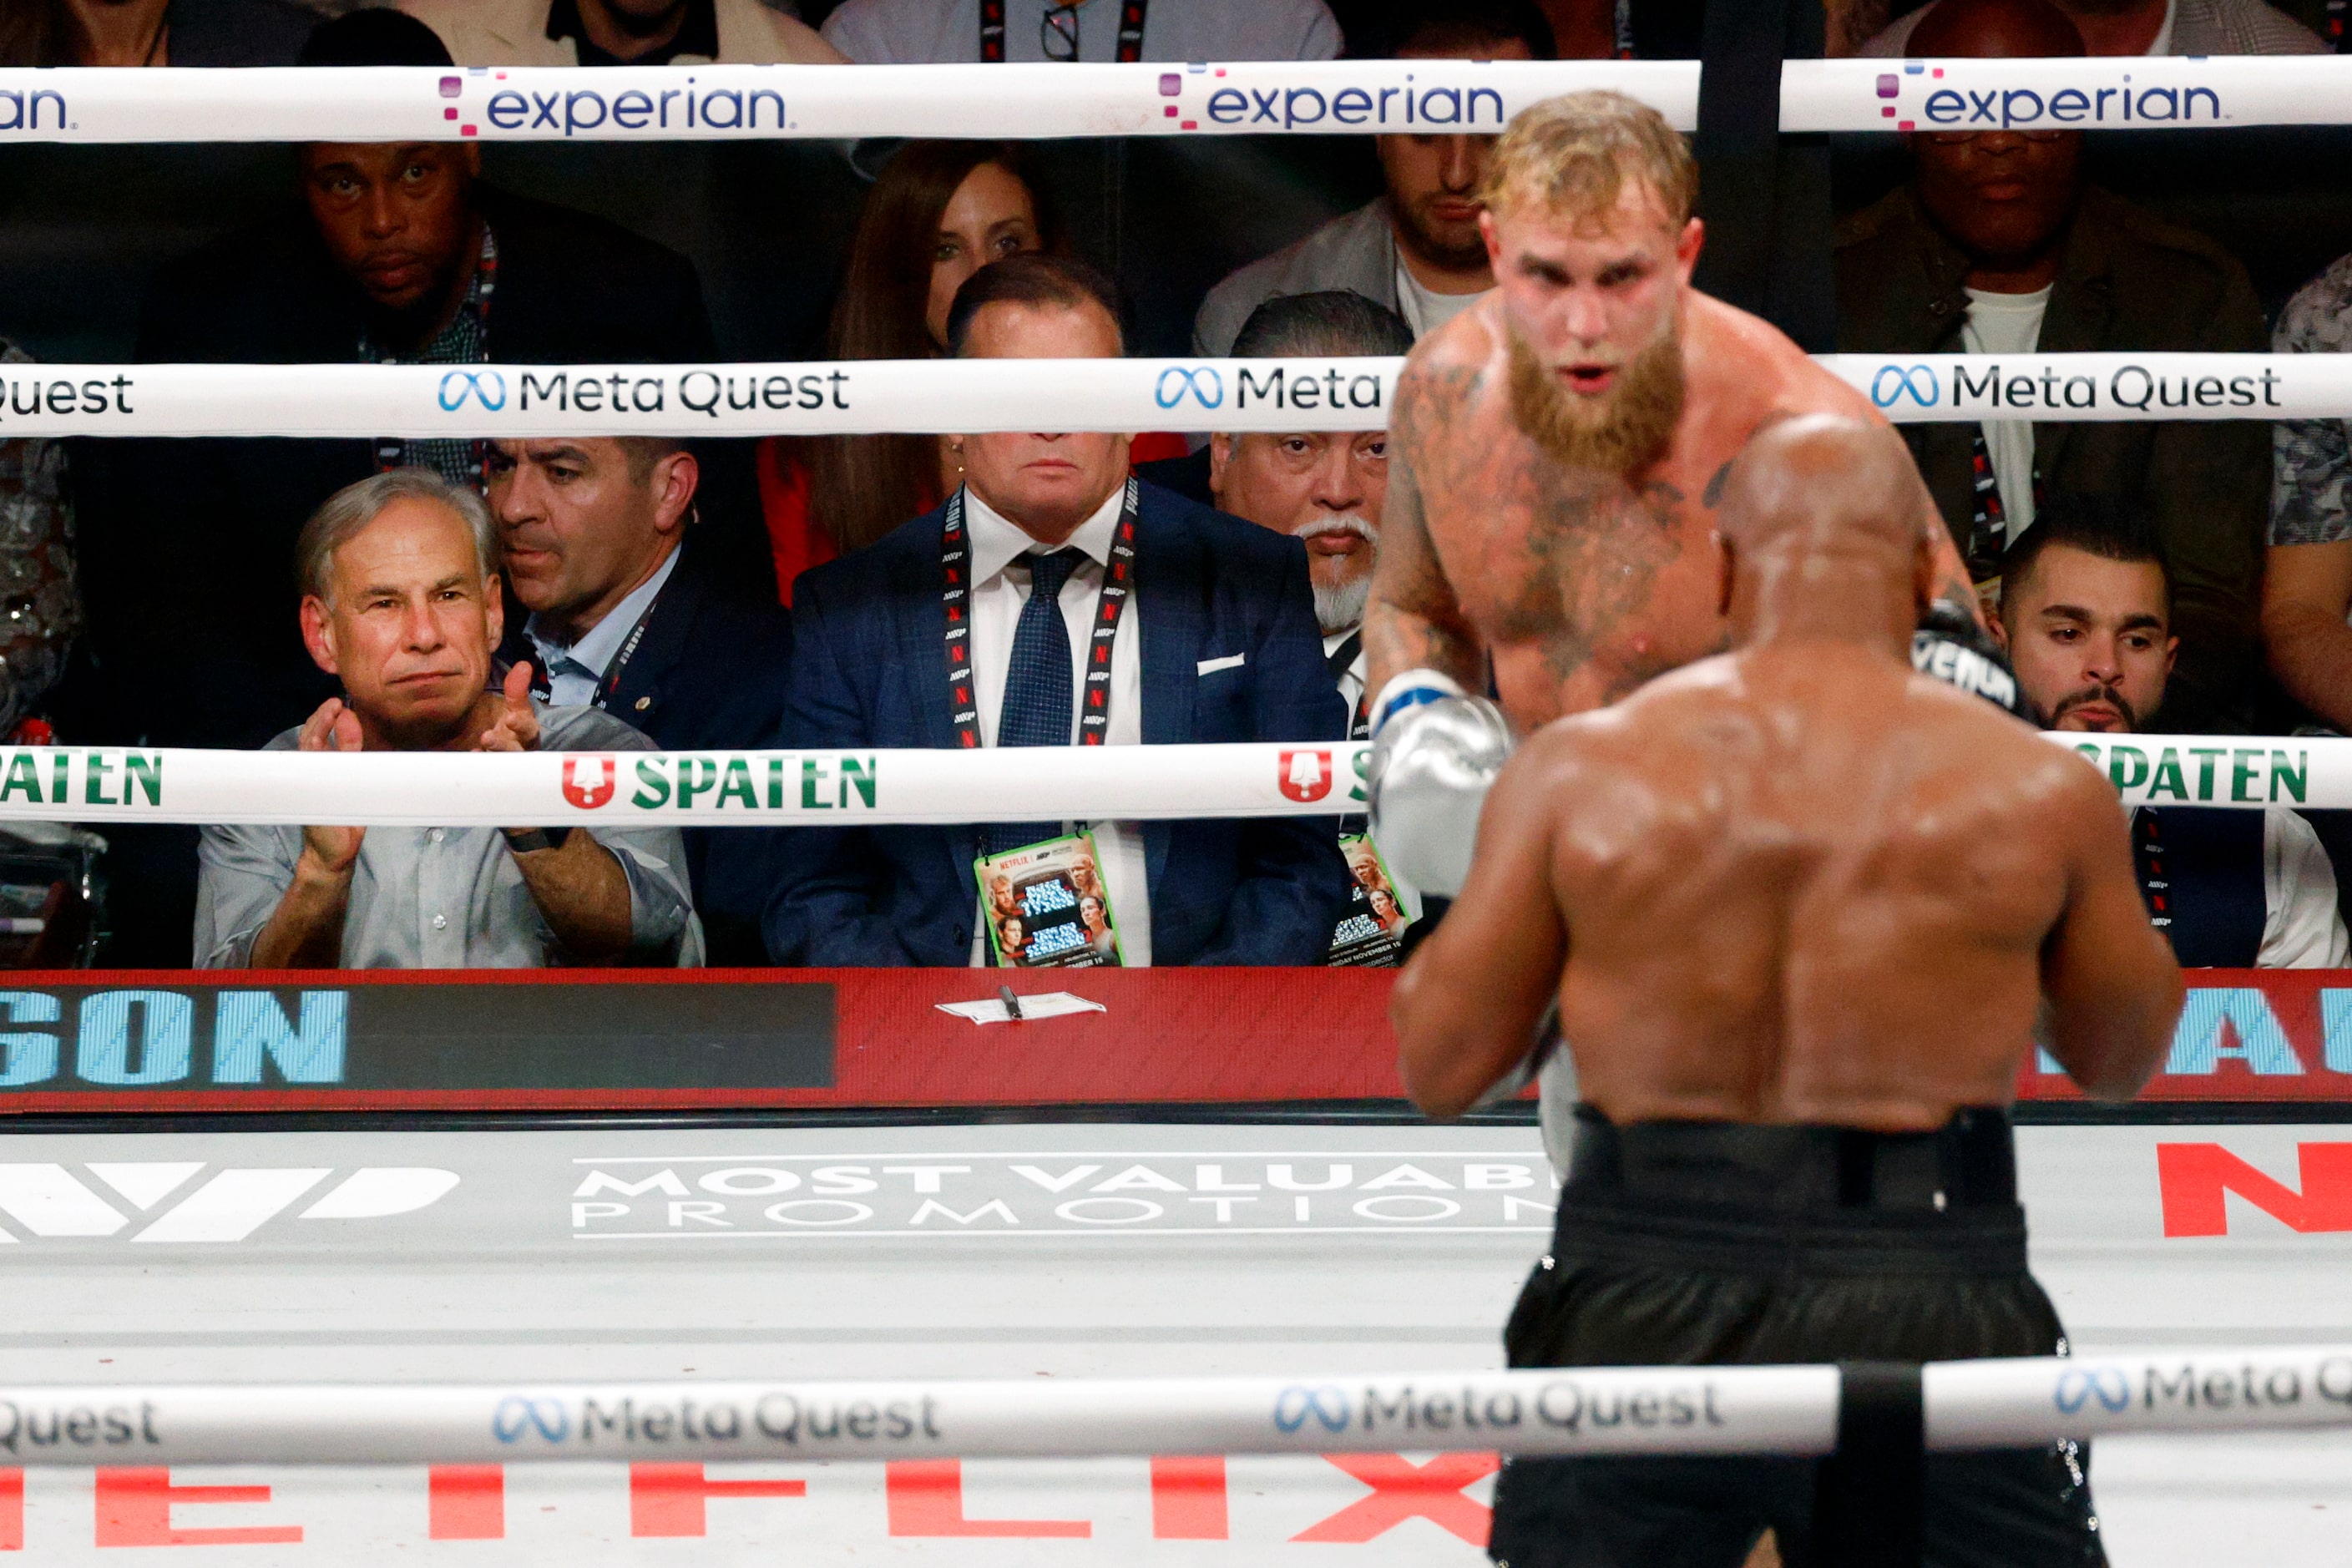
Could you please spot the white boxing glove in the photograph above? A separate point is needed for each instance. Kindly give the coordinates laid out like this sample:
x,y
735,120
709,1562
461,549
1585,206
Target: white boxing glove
x,y
1435,752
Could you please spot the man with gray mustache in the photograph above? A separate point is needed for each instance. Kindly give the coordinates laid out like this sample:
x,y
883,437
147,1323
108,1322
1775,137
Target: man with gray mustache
x,y
1324,486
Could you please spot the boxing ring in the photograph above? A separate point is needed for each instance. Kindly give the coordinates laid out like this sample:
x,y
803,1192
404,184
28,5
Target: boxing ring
x,y
1247,1307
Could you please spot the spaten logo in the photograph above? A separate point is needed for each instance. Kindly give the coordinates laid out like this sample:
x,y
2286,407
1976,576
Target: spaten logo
x,y
1894,382
589,796
1207,387
487,387
516,1415
2077,1385
1306,775
1293,1406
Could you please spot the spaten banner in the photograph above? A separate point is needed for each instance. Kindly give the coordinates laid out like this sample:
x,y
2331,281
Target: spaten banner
x,y
854,788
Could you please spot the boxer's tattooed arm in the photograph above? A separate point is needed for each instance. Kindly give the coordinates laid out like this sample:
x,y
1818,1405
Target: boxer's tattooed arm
x,y
1413,620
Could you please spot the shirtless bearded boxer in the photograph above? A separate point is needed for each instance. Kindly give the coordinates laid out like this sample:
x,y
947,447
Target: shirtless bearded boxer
x,y
1558,455
1799,908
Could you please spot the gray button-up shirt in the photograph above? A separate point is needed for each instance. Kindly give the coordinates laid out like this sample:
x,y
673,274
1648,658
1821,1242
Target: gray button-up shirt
x,y
446,898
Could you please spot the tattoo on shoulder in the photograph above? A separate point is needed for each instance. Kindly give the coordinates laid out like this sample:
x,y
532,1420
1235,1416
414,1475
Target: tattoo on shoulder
x,y
1712,497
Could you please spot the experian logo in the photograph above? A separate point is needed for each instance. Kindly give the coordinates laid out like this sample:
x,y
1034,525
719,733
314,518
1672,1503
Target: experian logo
x,y
51,1202
2023,108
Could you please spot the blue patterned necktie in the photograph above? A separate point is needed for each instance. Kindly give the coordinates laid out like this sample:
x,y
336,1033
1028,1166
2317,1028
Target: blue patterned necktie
x,y
1036,710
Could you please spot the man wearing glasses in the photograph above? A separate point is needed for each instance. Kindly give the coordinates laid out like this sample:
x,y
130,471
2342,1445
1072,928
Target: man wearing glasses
x,y
943,32
1997,246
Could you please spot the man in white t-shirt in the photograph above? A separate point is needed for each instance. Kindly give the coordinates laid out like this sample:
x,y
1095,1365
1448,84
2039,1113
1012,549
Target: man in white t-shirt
x,y
1415,249
1997,246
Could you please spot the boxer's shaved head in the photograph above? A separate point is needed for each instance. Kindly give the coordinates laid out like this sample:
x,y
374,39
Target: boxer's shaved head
x,y
1824,526
1818,479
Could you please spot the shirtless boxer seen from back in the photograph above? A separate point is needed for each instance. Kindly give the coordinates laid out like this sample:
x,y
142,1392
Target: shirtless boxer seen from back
x,y
1799,909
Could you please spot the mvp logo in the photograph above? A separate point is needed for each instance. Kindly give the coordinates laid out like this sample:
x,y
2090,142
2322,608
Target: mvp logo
x,y
2194,1176
51,1200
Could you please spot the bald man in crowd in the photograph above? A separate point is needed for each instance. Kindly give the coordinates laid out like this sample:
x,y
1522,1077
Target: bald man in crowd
x,y
1799,908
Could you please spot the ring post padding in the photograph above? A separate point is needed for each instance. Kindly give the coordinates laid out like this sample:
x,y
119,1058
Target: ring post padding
x,y
1868,1499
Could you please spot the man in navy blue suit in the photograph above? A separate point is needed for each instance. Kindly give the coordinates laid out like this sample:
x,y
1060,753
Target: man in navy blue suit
x,y
1217,641
626,616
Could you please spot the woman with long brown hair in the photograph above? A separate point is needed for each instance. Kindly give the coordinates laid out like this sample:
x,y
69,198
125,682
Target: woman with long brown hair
x,y
940,212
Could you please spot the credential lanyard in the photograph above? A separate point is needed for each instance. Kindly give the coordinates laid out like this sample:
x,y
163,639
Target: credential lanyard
x,y
1131,31
955,602
611,681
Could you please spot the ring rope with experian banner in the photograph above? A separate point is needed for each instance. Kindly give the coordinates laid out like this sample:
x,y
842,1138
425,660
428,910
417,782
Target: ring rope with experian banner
x,y
872,396
754,789
1790,1410
718,102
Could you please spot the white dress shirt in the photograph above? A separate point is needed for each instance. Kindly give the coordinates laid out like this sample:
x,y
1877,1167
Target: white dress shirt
x,y
574,670
999,590
1351,680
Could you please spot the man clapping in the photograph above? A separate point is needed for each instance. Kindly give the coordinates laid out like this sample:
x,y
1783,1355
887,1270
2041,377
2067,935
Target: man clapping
x,y
401,603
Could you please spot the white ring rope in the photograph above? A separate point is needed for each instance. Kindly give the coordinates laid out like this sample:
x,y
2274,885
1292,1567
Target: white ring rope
x,y
1713,1410
657,103
861,396
1791,1410
719,102
874,788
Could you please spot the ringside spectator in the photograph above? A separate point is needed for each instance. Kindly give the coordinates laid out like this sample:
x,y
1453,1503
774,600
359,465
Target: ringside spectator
x,y
153,32
1324,488
2307,571
2085,617
400,603
2147,27
1998,246
945,32
38,600
938,213
1415,249
397,252
1215,643
622,33
624,618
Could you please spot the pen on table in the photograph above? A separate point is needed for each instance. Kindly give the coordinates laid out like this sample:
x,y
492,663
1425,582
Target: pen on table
x,y
1012,1003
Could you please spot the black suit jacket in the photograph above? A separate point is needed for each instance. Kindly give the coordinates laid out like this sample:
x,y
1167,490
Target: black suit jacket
x,y
188,546
711,673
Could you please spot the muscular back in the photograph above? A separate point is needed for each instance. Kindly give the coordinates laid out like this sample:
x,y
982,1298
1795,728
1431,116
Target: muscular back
x,y
1577,585
1812,889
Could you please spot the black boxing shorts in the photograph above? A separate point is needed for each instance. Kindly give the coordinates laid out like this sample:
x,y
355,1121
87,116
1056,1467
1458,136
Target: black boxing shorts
x,y
1710,1243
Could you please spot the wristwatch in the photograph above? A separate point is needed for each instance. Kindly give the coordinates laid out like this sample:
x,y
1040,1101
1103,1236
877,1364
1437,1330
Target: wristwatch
x,y
528,840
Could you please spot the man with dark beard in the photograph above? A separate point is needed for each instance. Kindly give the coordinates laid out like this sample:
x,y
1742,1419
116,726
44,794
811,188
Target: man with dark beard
x,y
1555,461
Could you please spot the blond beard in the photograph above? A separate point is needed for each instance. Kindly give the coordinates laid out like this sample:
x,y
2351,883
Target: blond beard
x,y
1623,431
